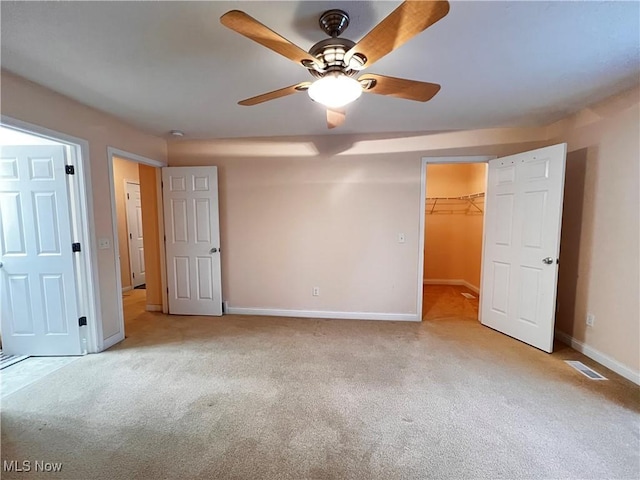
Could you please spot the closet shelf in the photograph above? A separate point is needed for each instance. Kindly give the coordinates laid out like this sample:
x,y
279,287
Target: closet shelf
x,y
467,204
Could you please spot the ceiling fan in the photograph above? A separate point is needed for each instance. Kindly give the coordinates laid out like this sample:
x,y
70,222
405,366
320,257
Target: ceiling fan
x,y
336,61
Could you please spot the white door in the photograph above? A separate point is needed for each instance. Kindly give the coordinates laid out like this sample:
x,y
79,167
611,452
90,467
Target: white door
x,y
522,243
38,296
190,197
134,226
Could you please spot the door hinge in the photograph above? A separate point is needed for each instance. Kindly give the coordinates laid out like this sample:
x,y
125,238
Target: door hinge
x,y
75,247
127,196
82,321
130,237
134,275
165,239
161,184
167,289
69,169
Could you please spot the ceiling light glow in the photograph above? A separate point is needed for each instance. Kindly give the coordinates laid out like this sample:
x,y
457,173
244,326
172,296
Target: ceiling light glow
x,y
335,91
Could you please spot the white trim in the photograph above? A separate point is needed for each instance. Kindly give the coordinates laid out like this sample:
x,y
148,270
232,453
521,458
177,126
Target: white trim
x,y
127,289
602,358
392,317
111,341
456,281
89,291
111,152
119,335
154,308
421,235
484,229
161,241
468,159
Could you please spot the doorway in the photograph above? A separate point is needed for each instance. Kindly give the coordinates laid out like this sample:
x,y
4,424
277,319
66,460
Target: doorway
x,y
452,228
136,200
454,215
129,210
521,242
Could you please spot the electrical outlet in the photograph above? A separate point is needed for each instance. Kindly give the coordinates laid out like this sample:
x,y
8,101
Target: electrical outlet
x,y
316,291
591,319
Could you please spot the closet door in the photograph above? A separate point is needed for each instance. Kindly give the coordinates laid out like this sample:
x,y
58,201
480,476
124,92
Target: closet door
x,y
522,243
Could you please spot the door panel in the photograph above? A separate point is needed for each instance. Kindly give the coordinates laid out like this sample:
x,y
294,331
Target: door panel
x,y
38,299
523,217
53,288
500,297
504,219
192,240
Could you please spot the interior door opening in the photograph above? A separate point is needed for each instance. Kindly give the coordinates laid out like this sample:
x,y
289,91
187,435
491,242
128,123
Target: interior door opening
x,y
453,235
135,190
520,242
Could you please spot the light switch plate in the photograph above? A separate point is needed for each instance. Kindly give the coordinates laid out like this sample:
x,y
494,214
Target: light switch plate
x,y
104,243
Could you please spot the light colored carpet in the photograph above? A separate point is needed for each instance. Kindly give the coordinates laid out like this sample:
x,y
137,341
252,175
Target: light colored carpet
x,y
271,398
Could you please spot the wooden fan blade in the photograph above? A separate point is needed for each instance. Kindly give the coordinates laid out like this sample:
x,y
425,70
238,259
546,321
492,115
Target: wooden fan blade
x,y
254,30
335,118
283,92
399,87
404,23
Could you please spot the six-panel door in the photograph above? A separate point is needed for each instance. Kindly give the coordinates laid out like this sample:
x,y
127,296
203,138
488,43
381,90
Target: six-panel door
x,y
38,302
192,234
134,227
522,244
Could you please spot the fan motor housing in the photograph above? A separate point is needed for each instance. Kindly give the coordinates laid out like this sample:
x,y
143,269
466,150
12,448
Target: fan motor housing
x,y
331,52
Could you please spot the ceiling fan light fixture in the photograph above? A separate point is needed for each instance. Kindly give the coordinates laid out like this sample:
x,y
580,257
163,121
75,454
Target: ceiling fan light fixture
x,y
335,91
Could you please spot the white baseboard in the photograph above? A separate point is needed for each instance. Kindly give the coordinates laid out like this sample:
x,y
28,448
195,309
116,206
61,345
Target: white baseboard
x,y
392,317
464,283
154,308
112,340
601,358
126,289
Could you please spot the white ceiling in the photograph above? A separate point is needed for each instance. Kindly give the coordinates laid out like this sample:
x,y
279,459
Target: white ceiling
x,y
172,65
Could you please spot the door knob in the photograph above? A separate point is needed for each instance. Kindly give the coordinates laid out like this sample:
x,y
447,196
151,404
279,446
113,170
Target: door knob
x,y
547,260
213,250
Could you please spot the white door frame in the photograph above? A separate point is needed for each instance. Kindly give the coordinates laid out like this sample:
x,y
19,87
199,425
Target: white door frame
x,y
423,211
82,207
115,152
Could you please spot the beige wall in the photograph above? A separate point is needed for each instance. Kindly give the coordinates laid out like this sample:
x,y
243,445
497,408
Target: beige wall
x,y
290,224
453,242
150,232
123,170
600,250
29,102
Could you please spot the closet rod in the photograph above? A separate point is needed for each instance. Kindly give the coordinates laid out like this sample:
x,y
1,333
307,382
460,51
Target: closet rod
x,y
467,199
